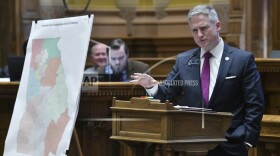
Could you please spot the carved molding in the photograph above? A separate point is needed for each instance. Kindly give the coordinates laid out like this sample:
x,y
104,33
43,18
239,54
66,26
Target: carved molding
x,y
104,89
118,90
268,65
223,13
236,8
160,6
49,12
128,14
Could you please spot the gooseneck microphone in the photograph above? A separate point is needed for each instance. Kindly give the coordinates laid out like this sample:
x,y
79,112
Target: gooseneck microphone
x,y
187,62
170,81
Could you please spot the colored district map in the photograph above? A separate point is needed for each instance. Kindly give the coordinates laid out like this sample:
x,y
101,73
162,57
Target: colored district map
x,y
46,114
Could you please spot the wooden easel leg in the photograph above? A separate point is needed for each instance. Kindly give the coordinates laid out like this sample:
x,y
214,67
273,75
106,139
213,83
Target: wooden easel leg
x,y
78,143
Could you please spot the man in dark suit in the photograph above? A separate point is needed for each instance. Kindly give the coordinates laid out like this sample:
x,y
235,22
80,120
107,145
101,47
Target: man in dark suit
x,y
215,76
119,62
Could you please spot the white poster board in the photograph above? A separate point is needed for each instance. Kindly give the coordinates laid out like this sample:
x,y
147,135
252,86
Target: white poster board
x,y
48,97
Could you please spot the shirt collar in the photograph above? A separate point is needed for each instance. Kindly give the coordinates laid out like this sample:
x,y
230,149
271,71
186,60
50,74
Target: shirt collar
x,y
216,51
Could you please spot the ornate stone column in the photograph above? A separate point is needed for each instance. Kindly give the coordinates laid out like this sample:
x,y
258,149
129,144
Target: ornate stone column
x,y
160,6
128,12
51,9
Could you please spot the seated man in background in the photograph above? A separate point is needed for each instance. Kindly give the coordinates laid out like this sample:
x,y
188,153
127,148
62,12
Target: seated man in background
x,y
119,62
98,56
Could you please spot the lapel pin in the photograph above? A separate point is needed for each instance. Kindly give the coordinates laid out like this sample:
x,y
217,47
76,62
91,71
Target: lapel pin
x,y
226,58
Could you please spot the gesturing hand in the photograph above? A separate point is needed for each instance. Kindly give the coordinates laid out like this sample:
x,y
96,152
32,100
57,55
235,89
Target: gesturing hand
x,y
144,80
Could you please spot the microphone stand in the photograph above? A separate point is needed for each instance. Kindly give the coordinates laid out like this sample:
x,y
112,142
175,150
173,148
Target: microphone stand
x,y
187,62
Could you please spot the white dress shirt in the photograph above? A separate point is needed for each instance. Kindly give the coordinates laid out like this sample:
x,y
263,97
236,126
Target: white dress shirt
x,y
214,61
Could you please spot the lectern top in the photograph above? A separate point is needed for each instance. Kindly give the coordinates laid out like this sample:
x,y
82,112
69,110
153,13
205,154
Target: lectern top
x,y
154,105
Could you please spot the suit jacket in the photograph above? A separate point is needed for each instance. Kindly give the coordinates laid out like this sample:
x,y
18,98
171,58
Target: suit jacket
x,y
92,69
131,68
237,90
136,67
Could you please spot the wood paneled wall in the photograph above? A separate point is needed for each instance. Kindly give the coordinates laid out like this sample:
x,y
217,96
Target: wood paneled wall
x,y
255,28
30,12
237,16
262,26
275,19
10,29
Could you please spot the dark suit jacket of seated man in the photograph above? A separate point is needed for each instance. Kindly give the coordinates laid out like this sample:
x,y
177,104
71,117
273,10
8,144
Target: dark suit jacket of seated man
x,y
119,62
131,68
216,76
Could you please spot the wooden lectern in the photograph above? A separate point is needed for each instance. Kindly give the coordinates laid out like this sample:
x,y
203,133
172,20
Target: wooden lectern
x,y
142,123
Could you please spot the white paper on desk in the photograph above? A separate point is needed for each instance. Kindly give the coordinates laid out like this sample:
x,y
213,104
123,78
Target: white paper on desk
x,y
5,80
47,101
187,108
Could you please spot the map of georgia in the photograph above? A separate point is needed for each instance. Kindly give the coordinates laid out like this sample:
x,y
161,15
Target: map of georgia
x,y
46,114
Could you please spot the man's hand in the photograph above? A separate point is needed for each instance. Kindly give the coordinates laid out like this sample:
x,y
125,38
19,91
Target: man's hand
x,y
144,80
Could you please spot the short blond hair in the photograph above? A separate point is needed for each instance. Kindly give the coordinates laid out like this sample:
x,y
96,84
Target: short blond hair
x,y
205,10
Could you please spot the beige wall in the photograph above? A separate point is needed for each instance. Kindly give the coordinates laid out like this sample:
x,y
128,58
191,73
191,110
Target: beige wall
x,y
237,17
109,22
142,3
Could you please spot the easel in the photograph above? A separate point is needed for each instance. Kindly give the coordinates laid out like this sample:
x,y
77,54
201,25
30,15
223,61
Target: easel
x,y
78,145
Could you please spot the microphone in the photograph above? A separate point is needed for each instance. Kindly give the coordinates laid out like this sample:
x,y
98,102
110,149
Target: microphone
x,y
187,62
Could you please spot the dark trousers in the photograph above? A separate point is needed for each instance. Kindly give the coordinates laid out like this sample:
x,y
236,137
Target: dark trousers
x,y
234,151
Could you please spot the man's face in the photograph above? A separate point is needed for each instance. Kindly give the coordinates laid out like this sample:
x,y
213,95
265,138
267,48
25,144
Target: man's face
x,y
99,55
118,60
205,33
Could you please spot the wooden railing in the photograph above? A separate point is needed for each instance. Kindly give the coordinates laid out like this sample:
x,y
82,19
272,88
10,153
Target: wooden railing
x,y
94,135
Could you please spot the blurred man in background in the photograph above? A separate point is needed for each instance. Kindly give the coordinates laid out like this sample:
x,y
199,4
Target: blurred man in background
x,y
98,56
119,62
